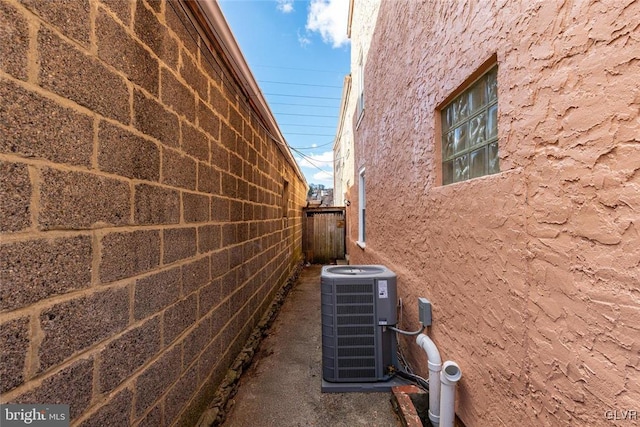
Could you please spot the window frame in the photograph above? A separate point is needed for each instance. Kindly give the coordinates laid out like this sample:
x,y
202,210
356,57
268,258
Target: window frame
x,y
362,205
489,144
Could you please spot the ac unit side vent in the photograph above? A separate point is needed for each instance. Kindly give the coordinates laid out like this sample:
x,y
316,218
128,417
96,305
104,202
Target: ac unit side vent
x,y
355,374
356,352
354,299
353,288
363,341
355,320
355,330
356,362
354,309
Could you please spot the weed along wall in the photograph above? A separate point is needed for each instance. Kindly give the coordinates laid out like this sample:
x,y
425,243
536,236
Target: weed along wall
x,y
149,213
529,254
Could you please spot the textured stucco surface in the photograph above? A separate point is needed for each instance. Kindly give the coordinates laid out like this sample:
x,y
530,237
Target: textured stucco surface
x,y
534,272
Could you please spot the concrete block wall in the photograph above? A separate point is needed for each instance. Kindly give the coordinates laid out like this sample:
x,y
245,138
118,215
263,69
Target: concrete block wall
x,y
143,232
534,272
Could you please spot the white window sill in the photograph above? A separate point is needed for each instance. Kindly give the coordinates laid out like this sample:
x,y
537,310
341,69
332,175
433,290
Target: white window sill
x,y
360,244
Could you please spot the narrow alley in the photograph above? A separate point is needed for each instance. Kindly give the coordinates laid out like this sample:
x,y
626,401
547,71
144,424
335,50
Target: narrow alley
x,y
282,386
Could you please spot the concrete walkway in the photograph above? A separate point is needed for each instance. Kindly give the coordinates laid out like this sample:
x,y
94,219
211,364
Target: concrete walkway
x,y
282,386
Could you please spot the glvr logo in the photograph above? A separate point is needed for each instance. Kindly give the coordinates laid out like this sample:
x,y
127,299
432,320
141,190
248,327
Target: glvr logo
x,y
36,415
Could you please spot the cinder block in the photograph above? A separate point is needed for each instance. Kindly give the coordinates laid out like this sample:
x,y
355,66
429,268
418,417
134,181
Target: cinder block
x,y
96,87
180,394
229,235
195,275
228,137
208,121
34,270
154,293
155,380
117,412
15,197
178,170
71,18
194,77
208,179
217,101
14,42
177,96
219,156
209,297
195,207
129,253
71,386
78,200
194,142
219,263
209,238
153,119
125,154
74,325
187,35
124,355
229,185
14,343
34,126
154,417
156,205
196,341
154,34
122,9
219,209
120,50
179,317
179,243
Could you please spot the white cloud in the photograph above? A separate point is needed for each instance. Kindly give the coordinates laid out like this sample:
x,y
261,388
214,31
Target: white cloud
x,y
285,6
322,161
329,18
304,40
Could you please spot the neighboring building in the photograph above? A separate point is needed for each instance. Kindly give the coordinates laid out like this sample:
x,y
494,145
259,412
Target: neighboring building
x,y
150,208
498,158
360,29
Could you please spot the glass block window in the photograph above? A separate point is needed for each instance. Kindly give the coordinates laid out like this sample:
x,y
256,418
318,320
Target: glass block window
x,y
470,132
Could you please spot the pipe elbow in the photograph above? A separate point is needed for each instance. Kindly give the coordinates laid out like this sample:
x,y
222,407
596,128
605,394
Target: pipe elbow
x,y
433,355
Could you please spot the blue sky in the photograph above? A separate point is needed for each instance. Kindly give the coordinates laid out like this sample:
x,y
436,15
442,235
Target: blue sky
x,y
299,53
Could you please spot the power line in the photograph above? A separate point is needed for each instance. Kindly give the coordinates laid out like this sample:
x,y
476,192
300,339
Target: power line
x,y
303,105
301,69
310,134
298,84
301,96
304,115
306,125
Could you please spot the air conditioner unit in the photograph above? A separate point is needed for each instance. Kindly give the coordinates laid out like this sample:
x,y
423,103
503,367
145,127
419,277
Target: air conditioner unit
x,y
358,302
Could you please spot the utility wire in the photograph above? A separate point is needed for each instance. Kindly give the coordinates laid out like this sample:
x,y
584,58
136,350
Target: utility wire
x,y
304,115
301,96
303,105
298,84
301,69
306,125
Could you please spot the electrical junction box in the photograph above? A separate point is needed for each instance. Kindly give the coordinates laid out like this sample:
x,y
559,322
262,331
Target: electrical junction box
x,y
424,311
358,302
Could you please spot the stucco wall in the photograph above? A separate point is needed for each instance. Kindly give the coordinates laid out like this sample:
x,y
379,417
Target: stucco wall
x,y
141,212
533,272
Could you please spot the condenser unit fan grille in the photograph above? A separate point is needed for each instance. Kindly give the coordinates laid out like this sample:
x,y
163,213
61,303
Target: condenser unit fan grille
x,y
356,356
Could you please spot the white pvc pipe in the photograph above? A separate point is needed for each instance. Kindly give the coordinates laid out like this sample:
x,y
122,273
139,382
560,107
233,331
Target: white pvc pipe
x,y
449,377
435,364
